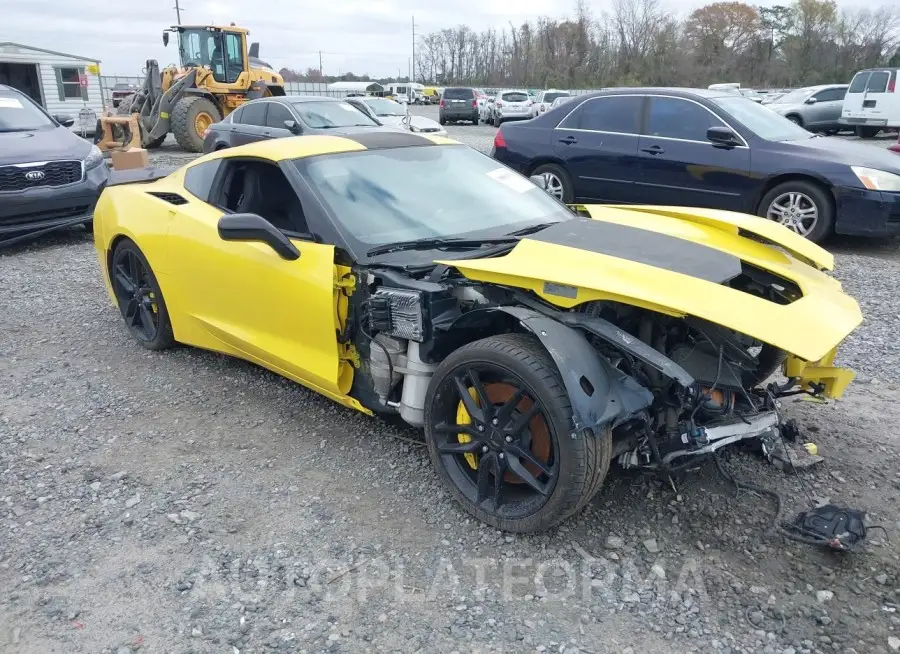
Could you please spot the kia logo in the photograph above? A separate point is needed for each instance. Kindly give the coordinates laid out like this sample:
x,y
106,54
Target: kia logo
x,y
34,175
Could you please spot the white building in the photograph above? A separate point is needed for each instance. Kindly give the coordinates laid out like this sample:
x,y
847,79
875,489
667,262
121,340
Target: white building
x,y
346,88
59,82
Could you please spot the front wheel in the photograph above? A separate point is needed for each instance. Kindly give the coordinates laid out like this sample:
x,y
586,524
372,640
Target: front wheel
x,y
498,425
191,117
802,206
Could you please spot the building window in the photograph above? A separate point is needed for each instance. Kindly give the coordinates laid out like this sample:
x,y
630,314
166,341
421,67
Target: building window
x,y
67,81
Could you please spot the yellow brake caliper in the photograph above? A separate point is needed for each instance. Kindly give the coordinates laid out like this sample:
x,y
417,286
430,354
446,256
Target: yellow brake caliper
x,y
463,418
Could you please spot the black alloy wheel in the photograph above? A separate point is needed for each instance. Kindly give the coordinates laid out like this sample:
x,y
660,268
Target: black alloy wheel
x,y
497,426
139,297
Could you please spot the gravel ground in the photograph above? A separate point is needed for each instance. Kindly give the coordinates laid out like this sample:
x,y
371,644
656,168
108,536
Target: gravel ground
x,y
187,502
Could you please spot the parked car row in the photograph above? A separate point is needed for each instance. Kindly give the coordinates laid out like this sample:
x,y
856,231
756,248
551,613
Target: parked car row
x,y
705,149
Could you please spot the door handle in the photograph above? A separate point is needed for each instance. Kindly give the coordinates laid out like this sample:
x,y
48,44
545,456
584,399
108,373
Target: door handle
x,y
569,140
653,149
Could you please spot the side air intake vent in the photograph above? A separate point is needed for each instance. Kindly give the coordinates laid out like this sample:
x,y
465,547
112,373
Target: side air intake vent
x,y
171,198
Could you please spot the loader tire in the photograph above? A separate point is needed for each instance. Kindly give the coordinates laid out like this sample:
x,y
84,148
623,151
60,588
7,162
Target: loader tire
x,y
124,107
188,115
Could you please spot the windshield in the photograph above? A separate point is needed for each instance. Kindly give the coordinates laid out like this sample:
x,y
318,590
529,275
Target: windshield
x,y
17,114
385,107
762,121
550,97
459,94
795,97
402,194
328,115
515,96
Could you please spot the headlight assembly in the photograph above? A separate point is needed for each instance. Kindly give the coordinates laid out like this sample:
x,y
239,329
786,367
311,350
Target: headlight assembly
x,y
94,158
877,180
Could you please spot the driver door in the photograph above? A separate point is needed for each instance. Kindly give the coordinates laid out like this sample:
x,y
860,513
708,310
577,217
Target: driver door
x,y
241,297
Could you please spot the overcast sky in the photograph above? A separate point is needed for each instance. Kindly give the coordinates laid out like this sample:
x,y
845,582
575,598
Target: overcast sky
x,y
362,36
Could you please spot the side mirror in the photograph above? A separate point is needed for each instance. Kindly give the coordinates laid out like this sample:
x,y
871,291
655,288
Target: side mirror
x,y
165,38
254,50
64,119
292,126
252,227
722,136
810,101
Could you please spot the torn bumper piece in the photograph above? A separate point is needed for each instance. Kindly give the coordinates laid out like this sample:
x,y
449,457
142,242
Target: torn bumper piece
x,y
821,376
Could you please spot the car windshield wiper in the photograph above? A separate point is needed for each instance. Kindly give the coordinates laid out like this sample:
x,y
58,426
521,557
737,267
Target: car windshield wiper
x,y
531,229
439,242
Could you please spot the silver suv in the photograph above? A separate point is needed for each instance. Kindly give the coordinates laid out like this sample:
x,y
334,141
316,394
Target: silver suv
x,y
816,108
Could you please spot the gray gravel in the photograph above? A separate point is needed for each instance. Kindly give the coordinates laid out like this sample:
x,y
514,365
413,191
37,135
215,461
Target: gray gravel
x,y
189,502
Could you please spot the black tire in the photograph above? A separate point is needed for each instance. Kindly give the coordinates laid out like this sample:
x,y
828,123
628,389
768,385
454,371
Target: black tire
x,y
442,120
867,132
568,193
124,107
817,194
580,463
184,117
770,359
794,118
151,298
497,121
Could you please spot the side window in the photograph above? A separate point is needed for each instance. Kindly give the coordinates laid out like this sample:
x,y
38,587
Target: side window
x,y
277,114
254,114
198,180
858,85
235,116
260,187
830,95
878,82
679,119
619,114
234,57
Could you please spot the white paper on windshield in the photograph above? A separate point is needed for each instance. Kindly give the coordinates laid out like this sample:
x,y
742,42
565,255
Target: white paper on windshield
x,y
510,179
10,103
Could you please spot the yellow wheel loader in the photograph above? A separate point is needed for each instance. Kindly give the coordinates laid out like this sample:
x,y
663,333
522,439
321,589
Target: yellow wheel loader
x,y
217,74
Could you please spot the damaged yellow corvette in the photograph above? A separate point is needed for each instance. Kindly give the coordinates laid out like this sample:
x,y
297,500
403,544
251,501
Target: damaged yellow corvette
x,y
535,343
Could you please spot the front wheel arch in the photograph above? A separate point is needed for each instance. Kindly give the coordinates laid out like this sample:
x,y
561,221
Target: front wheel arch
x,y
811,186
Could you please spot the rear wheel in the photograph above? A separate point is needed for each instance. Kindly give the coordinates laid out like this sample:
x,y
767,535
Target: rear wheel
x,y
190,118
140,298
556,182
498,425
795,119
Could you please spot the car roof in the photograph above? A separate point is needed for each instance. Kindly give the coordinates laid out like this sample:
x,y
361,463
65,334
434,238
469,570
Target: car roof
x,y
4,87
674,91
296,99
298,147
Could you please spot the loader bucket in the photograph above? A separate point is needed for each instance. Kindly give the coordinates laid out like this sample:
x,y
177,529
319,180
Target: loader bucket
x,y
119,133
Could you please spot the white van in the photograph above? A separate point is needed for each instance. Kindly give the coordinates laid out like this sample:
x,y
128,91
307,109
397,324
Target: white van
x,y
872,101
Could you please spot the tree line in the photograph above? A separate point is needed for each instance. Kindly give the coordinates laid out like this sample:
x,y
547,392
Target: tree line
x,y
641,42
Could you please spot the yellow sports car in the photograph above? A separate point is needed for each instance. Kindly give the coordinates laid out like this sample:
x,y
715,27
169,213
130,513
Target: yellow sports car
x,y
407,274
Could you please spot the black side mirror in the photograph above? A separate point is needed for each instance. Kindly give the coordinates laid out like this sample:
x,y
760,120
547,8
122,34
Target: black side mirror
x,y
252,227
64,119
292,126
254,50
722,136
165,38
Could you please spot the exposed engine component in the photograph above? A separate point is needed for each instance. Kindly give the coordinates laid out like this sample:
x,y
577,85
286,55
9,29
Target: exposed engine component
x,y
416,376
383,361
397,312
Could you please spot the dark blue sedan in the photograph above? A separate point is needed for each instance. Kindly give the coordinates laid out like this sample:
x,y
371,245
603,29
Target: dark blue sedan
x,y
705,149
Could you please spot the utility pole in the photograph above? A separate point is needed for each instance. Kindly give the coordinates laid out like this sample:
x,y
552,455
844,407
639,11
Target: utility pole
x,y
320,65
177,12
412,74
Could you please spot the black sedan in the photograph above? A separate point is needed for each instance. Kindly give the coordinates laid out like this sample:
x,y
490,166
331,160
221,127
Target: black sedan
x,y
50,177
282,116
706,149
